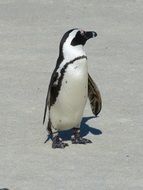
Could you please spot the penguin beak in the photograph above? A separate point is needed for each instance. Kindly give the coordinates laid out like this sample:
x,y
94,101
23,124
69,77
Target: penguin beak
x,y
90,34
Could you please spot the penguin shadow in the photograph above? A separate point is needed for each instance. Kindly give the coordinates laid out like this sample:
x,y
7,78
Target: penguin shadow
x,y
84,130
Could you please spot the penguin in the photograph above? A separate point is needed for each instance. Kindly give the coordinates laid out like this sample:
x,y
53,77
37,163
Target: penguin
x,y
69,88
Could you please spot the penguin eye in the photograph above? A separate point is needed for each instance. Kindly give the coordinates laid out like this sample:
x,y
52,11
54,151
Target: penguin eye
x,y
82,32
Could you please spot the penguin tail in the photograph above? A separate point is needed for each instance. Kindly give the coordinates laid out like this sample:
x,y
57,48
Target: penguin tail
x,y
45,110
44,117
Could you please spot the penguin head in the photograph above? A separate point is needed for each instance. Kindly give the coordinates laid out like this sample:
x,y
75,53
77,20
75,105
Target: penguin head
x,y
82,36
73,41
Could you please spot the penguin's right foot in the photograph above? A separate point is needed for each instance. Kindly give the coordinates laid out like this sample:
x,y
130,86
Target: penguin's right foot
x,y
58,143
80,140
77,139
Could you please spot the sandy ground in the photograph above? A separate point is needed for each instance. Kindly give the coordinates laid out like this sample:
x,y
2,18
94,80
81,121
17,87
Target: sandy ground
x,y
30,31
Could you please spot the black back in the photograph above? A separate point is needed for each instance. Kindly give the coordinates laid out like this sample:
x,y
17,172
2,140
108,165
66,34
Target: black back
x,y
53,88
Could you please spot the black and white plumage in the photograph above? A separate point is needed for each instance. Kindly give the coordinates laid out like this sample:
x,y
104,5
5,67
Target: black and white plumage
x,y
69,87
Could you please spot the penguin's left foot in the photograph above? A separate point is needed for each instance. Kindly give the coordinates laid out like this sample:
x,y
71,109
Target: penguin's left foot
x,y
58,143
76,139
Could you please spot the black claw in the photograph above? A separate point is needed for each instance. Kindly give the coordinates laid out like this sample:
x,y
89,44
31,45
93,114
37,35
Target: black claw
x,y
57,143
80,140
66,144
87,140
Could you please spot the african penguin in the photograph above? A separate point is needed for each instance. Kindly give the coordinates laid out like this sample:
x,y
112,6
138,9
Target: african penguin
x,y
69,88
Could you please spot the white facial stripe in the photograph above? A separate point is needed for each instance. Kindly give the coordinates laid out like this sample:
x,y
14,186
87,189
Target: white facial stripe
x,y
70,52
71,36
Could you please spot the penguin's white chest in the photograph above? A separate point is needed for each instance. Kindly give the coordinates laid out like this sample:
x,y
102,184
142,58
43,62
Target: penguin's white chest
x,y
68,109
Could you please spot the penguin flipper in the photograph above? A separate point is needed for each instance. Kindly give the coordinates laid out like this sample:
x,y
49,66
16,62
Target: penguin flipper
x,y
94,96
48,98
